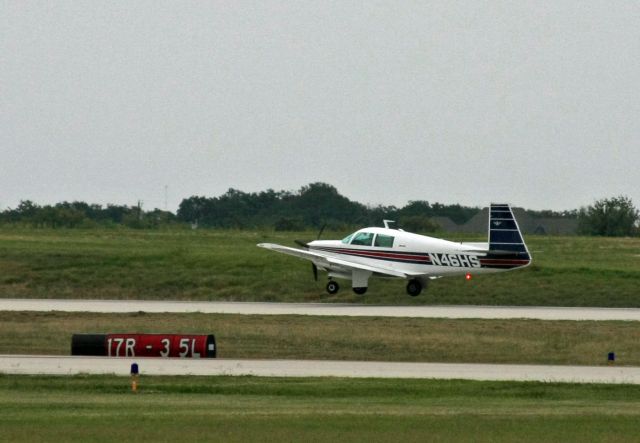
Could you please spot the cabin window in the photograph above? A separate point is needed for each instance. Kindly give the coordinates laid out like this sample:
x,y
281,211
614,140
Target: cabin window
x,y
362,239
384,241
347,239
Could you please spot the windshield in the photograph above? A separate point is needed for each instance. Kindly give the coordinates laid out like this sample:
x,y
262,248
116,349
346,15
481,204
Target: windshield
x,y
347,239
363,239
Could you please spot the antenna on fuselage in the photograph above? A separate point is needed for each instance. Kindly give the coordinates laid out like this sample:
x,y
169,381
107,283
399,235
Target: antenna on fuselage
x,y
386,223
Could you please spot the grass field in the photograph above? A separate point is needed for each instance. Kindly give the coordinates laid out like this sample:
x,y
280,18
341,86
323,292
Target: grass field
x,y
226,265
342,338
101,408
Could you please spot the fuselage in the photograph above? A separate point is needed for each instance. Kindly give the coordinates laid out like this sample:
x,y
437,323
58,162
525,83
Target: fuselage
x,y
418,254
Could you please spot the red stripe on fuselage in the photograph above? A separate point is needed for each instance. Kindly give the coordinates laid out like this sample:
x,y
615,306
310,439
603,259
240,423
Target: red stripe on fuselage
x,y
379,254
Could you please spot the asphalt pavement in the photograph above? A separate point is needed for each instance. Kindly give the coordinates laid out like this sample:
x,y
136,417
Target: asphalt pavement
x,y
323,309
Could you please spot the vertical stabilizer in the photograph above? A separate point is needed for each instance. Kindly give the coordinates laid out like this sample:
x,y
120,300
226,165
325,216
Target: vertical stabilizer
x,y
504,233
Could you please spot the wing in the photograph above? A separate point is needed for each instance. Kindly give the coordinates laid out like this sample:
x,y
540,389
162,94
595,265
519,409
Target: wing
x,y
324,261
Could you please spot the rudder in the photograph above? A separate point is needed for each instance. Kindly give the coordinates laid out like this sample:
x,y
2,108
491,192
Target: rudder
x,y
504,232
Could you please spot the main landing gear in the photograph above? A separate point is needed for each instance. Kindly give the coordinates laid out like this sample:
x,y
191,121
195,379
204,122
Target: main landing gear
x,y
414,288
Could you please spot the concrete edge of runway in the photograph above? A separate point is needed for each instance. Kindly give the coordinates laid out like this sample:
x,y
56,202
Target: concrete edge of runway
x,y
68,365
323,309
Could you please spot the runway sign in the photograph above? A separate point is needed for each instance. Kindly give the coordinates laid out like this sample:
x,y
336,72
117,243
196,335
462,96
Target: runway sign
x,y
144,345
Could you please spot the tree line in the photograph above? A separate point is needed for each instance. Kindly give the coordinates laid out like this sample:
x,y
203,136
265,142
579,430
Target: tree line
x,y
83,215
311,207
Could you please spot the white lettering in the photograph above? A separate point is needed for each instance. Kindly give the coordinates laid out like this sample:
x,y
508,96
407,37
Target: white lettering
x,y
184,344
119,342
455,260
194,354
165,342
129,351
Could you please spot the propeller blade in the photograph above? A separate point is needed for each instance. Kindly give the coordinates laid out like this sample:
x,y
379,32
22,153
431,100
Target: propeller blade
x,y
315,271
321,230
304,244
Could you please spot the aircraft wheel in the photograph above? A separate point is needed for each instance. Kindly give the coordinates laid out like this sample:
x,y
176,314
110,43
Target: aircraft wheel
x,y
414,288
360,291
332,287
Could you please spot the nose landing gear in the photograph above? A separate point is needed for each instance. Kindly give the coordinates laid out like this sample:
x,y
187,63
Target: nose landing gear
x,y
333,287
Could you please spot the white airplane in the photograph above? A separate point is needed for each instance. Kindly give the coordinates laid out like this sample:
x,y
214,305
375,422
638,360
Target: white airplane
x,y
386,252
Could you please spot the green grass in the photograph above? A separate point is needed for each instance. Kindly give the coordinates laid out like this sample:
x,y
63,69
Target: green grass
x,y
226,265
343,338
102,408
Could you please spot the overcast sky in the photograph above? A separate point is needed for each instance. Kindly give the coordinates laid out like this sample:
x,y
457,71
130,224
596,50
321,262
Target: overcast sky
x,y
533,103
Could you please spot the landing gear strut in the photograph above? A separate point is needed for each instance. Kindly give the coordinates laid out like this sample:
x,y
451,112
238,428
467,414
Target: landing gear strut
x,y
414,288
333,287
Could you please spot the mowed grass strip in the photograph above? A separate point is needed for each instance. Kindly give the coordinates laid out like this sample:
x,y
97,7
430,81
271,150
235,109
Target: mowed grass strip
x,y
345,338
227,265
102,408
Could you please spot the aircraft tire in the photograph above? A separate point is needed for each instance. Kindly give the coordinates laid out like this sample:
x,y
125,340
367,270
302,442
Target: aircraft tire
x,y
333,287
360,291
414,288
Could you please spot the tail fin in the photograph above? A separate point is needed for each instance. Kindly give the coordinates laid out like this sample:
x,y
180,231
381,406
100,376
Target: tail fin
x,y
504,233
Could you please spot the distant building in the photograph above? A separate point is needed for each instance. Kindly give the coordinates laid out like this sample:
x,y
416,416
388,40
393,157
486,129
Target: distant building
x,y
527,223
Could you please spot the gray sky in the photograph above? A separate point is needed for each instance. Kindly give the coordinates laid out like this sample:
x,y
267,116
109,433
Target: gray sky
x,y
534,103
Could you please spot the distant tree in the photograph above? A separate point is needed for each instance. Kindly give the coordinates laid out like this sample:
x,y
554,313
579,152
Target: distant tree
x,y
416,207
116,213
459,214
193,209
418,223
615,217
67,218
26,209
289,224
321,203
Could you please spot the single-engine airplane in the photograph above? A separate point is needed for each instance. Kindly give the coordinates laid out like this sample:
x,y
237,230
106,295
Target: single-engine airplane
x,y
387,252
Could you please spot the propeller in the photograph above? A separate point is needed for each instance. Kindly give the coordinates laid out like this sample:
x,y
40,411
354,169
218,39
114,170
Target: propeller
x,y
305,244
302,243
313,265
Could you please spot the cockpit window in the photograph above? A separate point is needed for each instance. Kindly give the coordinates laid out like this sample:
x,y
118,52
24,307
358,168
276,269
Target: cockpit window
x,y
347,239
384,241
362,239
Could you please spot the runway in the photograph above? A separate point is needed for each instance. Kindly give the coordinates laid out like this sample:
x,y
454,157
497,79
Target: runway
x,y
323,309
65,365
